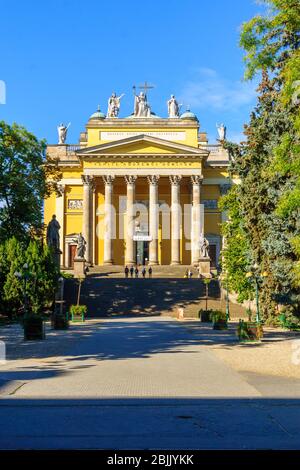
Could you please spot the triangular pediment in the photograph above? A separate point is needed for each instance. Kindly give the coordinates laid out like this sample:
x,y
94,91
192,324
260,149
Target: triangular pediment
x,y
141,144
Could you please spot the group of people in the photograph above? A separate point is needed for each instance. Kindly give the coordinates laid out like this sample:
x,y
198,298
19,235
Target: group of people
x,y
134,272
189,273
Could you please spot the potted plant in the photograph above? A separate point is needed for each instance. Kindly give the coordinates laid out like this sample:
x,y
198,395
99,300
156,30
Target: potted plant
x,y
34,328
60,321
206,281
78,312
219,320
205,316
249,331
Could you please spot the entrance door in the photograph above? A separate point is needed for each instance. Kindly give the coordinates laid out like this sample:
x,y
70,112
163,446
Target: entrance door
x,y
142,252
213,255
72,254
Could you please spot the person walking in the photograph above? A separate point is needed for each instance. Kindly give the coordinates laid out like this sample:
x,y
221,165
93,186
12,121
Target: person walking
x,y
144,272
126,271
136,272
186,274
190,274
150,272
131,271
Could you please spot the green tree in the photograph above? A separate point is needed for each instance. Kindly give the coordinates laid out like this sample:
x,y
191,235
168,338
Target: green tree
x,y
268,162
43,275
11,261
27,177
237,254
36,263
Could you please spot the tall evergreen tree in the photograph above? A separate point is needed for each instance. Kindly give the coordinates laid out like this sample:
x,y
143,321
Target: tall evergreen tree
x,y
268,162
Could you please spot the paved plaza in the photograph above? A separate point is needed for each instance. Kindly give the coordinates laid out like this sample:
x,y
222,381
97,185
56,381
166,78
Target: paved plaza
x,y
148,382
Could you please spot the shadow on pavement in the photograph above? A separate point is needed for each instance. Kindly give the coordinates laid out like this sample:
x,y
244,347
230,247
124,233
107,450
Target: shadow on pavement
x,y
141,423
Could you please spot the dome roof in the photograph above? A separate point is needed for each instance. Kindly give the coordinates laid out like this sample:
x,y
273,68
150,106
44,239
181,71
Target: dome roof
x,y
98,114
189,116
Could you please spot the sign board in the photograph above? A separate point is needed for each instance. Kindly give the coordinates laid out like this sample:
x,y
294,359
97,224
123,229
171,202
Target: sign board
x,y
142,238
171,136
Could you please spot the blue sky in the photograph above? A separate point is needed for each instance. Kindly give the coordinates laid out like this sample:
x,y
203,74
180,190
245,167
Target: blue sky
x,y
61,58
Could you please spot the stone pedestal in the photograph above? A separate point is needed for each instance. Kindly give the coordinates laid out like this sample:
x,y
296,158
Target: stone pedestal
x,y
79,267
57,254
204,267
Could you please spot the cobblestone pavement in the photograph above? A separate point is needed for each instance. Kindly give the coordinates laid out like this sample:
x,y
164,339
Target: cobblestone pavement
x,y
146,382
128,357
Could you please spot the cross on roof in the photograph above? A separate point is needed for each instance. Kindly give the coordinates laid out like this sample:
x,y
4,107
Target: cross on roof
x,y
145,86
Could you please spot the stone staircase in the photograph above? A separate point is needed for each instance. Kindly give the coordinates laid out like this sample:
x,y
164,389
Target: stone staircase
x,y
106,292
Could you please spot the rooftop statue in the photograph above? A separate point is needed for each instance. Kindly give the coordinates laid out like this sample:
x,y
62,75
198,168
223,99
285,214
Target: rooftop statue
x,y
114,105
173,107
221,131
62,133
141,106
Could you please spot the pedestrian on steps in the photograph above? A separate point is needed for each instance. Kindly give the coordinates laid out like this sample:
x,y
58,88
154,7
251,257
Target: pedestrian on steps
x,y
136,272
126,270
150,272
131,271
144,272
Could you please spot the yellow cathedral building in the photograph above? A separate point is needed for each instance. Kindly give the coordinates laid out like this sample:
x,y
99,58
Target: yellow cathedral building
x,y
141,189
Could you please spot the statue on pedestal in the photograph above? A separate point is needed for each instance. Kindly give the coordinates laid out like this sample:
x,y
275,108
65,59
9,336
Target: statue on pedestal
x,y
81,246
62,133
204,247
114,105
53,234
173,107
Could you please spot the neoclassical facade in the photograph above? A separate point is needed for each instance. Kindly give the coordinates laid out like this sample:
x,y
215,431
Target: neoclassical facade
x,y
140,190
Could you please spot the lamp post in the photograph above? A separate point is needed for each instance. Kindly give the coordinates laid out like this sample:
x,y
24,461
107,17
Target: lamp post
x,y
226,283
227,300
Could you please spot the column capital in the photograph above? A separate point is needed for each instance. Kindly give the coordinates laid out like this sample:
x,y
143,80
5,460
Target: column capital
x,y
61,189
108,179
153,179
224,188
175,180
197,179
88,180
130,179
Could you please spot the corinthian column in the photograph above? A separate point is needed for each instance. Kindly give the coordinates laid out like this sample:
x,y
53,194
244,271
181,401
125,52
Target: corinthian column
x,y
130,257
153,219
175,219
60,217
88,186
196,218
108,222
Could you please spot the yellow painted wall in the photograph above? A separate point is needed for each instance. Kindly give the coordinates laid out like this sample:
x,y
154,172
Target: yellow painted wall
x,y
49,208
212,223
94,134
215,173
